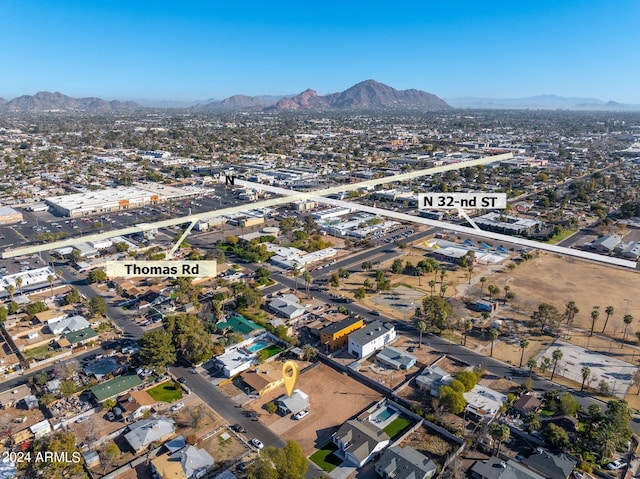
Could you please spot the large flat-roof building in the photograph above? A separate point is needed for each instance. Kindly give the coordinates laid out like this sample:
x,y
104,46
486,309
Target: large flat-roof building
x,y
9,215
116,199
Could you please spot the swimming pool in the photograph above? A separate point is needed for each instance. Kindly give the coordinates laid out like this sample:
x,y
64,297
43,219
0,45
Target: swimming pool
x,y
384,415
257,346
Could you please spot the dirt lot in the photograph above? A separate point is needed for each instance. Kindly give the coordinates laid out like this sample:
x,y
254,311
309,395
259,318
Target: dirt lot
x,y
223,450
426,442
558,279
334,398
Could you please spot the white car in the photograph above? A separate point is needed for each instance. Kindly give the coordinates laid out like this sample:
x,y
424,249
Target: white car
x,y
255,442
177,407
615,465
300,414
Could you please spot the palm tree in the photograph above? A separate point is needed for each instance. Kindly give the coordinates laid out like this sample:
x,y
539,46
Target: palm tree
x,y
493,289
467,325
523,345
296,274
545,364
51,279
506,292
19,284
483,280
422,327
571,311
585,372
470,271
443,273
443,289
432,285
308,279
609,310
555,357
627,321
494,333
499,433
595,314
11,289
531,364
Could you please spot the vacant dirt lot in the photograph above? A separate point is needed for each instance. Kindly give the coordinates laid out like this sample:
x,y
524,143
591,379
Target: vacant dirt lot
x,y
558,279
334,398
426,442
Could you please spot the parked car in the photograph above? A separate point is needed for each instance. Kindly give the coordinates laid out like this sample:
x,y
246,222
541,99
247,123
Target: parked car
x,y
177,407
110,416
615,465
299,415
182,380
243,466
255,442
237,428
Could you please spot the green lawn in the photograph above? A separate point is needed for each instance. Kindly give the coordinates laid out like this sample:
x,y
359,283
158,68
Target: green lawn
x,y
547,412
272,350
325,457
39,352
166,392
398,425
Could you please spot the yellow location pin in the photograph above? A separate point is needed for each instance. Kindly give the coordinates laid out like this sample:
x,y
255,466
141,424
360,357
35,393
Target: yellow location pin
x,y
290,374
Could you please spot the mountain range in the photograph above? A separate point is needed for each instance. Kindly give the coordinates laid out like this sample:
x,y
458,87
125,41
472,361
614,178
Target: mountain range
x,y
366,95
541,102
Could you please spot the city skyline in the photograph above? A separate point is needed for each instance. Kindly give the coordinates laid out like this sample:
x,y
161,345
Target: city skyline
x,y
194,51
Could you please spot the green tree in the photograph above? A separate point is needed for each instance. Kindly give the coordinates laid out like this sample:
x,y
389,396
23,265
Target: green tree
x,y
467,326
157,349
296,274
556,356
289,461
436,311
11,289
334,280
51,279
62,466
97,276
556,437
483,281
397,266
366,266
452,400
493,334
98,306
4,314
19,282
568,404
73,297
609,310
108,404
493,290
524,343
468,379
531,364
532,421
271,407
360,293
310,353
308,279
109,456
546,316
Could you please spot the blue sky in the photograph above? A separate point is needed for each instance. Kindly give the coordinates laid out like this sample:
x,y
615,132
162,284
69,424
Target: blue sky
x,y
213,49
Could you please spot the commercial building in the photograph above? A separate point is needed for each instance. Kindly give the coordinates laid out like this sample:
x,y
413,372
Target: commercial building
x,y
28,278
117,199
9,215
507,224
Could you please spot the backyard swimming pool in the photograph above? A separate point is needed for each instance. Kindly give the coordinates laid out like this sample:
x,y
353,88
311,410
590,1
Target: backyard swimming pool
x,y
257,346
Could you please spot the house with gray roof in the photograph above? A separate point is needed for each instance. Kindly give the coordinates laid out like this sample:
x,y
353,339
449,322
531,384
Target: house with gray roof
x,y
68,325
144,432
404,463
396,358
369,339
496,468
358,441
606,243
550,465
287,306
432,378
188,462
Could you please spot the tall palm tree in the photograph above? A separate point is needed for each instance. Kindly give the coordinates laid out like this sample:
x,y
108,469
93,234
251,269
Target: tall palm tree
x,y
627,321
483,280
609,310
443,289
571,311
531,364
51,279
296,274
585,372
523,345
499,433
506,292
308,279
555,357
422,327
470,271
19,284
432,285
467,325
11,289
493,289
493,333
595,314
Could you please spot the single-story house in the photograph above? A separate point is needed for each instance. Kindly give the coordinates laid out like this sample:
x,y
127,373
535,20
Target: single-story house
x,y
404,463
525,404
135,404
287,306
68,325
144,432
483,401
550,465
432,378
187,463
298,401
496,468
396,358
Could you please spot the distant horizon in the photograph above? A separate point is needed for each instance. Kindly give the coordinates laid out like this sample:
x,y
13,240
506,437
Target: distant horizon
x,y
192,50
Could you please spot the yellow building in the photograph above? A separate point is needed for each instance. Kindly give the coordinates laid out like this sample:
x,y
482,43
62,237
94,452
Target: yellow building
x,y
336,335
